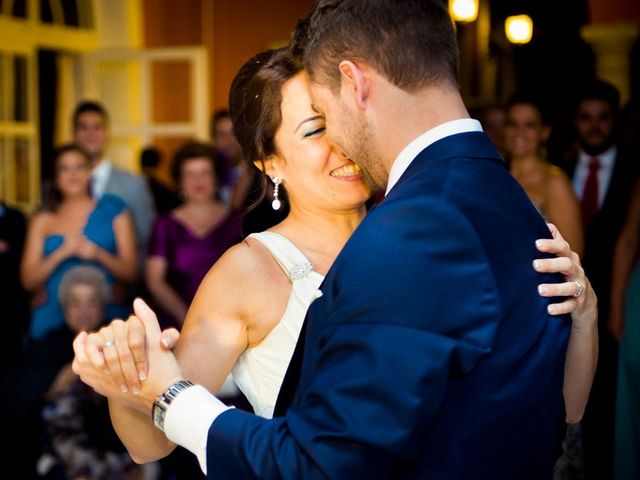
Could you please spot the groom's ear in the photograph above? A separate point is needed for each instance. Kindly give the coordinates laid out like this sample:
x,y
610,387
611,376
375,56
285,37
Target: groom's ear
x,y
355,82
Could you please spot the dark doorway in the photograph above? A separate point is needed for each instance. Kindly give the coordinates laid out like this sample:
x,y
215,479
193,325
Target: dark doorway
x,y
48,89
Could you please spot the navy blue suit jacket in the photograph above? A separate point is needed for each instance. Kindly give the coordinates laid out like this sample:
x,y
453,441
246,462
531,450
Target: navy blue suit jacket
x,y
430,353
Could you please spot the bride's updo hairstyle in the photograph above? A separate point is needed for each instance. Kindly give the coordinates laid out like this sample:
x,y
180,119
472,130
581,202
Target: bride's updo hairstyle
x,y
254,103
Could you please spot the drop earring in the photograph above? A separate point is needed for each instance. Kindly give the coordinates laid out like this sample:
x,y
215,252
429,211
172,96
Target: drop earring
x,y
276,204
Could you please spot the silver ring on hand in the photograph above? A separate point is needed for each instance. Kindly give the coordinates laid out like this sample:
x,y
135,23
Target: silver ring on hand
x,y
107,343
580,289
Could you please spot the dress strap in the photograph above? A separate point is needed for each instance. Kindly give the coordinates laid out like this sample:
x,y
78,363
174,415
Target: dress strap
x,y
293,262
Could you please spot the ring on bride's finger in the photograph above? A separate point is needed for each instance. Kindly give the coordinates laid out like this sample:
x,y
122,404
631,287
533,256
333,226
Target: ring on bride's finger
x,y
580,289
107,343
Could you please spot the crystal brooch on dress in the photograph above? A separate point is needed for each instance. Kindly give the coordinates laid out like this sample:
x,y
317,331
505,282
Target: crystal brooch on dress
x,y
300,270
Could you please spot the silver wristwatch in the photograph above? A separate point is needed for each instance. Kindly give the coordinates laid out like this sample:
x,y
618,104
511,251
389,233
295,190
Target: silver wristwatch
x,y
162,401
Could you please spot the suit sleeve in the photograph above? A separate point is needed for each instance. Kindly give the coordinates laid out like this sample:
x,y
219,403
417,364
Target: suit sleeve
x,y
412,303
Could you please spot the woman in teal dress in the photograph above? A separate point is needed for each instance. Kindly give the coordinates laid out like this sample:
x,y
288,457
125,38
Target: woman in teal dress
x,y
76,229
624,323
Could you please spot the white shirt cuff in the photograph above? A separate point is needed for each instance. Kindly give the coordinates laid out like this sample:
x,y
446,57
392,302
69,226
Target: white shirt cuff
x,y
188,419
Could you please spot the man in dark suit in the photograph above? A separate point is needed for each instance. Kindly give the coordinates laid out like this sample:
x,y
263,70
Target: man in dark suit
x,y
603,176
429,354
14,302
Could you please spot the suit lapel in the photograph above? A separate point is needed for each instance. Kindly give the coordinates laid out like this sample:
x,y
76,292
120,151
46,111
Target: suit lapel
x,y
613,189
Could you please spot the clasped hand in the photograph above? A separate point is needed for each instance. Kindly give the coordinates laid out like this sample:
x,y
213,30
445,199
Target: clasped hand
x,y
115,361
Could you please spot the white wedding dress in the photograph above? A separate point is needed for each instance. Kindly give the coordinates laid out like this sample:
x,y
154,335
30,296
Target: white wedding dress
x,y
260,370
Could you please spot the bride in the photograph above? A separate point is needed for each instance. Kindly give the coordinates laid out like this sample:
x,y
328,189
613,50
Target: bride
x,y
248,311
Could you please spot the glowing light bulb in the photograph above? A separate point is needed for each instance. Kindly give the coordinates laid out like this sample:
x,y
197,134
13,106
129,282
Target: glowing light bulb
x,y
519,28
463,10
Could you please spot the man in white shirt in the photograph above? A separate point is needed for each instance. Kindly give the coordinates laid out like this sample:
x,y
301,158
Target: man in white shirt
x,y
90,132
603,176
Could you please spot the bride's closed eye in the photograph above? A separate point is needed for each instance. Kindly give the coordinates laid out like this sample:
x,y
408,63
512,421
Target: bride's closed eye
x,y
314,132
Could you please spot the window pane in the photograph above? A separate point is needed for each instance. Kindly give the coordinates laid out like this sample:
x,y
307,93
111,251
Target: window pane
x,y
119,89
171,91
70,9
19,9
85,13
46,15
4,113
21,169
20,110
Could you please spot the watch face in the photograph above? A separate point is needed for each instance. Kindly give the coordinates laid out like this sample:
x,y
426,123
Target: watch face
x,y
158,416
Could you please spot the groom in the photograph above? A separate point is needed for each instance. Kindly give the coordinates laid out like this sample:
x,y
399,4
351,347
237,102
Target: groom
x,y
429,355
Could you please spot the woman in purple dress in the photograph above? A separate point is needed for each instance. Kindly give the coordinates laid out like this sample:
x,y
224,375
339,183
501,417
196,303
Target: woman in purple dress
x,y
187,241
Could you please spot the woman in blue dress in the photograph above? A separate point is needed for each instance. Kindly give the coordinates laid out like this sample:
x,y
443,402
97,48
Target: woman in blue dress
x,y
624,323
76,229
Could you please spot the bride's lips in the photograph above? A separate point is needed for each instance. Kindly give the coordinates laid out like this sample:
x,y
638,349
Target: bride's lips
x,y
349,171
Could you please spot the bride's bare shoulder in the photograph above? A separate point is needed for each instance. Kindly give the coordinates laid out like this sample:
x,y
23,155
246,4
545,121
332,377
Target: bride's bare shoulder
x,y
248,258
247,268
246,283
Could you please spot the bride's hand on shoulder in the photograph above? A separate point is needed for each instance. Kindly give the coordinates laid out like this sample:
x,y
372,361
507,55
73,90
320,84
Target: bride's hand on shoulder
x,y
580,299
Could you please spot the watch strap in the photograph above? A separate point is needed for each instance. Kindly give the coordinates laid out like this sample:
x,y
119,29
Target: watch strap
x,y
162,401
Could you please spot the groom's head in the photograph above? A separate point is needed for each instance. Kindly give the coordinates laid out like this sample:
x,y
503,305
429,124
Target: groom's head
x,y
348,45
411,42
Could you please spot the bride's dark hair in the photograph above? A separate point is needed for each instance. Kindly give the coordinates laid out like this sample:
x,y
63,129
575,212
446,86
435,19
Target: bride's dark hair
x,y
254,103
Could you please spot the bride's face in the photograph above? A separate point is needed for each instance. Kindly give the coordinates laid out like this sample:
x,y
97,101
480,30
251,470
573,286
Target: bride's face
x,y
315,175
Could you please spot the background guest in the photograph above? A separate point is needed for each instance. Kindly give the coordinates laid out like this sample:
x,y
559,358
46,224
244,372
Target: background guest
x,y
234,177
546,185
164,198
90,132
13,299
493,118
624,324
241,187
76,229
603,175
186,242
74,437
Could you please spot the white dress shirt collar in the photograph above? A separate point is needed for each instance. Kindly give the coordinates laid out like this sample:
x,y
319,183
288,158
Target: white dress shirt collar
x,y
607,158
411,151
607,162
100,177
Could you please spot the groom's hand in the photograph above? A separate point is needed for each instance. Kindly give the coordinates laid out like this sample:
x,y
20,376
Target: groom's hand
x,y
163,366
